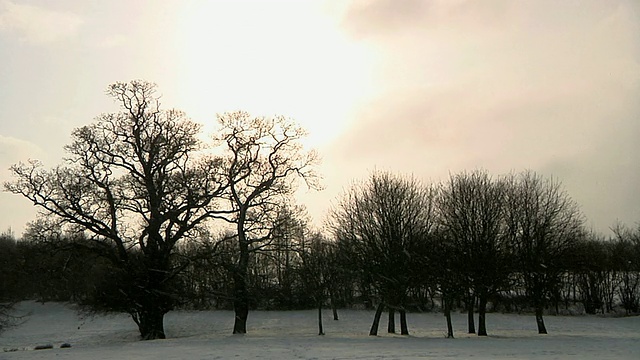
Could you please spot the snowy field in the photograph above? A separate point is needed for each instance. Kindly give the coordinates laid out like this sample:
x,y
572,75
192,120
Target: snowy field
x,y
292,335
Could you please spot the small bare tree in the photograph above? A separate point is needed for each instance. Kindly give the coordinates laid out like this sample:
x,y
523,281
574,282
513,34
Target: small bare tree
x,y
317,270
133,181
265,158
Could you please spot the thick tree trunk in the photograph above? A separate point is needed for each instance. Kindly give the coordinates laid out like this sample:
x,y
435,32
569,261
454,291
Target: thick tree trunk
x,y
470,305
391,327
376,320
240,303
320,327
404,329
150,293
482,312
539,320
150,323
240,291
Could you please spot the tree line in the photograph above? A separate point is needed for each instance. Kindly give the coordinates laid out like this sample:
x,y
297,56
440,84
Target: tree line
x,y
511,243
143,217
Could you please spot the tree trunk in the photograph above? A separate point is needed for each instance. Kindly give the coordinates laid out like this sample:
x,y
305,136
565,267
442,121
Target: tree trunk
x,y
470,305
376,320
482,312
404,329
391,327
150,324
432,295
539,320
240,304
240,291
447,314
150,294
334,309
320,327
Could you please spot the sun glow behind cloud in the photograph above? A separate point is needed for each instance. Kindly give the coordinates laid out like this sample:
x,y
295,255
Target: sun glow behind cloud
x,y
285,58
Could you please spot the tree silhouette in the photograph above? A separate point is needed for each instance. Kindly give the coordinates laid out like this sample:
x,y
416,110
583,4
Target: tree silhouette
x,y
264,158
543,225
136,184
384,223
471,207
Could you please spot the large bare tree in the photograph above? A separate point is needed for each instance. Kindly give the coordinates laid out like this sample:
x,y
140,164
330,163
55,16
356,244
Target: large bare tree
x,y
264,159
134,181
544,224
385,222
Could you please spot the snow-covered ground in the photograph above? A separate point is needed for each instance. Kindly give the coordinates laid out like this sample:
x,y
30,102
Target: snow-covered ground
x,y
292,335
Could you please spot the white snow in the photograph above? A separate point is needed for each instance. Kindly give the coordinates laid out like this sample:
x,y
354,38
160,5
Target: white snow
x,y
293,335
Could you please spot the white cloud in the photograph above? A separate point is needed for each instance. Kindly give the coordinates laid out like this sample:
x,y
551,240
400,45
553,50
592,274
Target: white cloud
x,y
36,24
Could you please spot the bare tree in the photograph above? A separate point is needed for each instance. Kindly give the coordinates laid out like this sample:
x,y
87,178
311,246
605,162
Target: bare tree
x,y
318,271
287,253
471,208
591,267
543,225
265,158
133,181
322,272
385,221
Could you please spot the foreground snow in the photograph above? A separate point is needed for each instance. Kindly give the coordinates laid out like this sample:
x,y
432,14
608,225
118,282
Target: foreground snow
x,y
292,335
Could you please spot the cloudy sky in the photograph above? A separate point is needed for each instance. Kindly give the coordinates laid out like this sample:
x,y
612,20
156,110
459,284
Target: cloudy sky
x,y
412,86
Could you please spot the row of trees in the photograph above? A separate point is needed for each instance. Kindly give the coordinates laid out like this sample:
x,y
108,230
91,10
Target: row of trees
x,y
142,217
304,270
472,237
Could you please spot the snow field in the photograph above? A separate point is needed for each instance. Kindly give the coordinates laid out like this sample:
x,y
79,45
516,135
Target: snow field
x,y
293,335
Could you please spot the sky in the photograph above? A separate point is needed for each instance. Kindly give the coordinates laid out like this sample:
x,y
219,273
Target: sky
x,y
428,88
